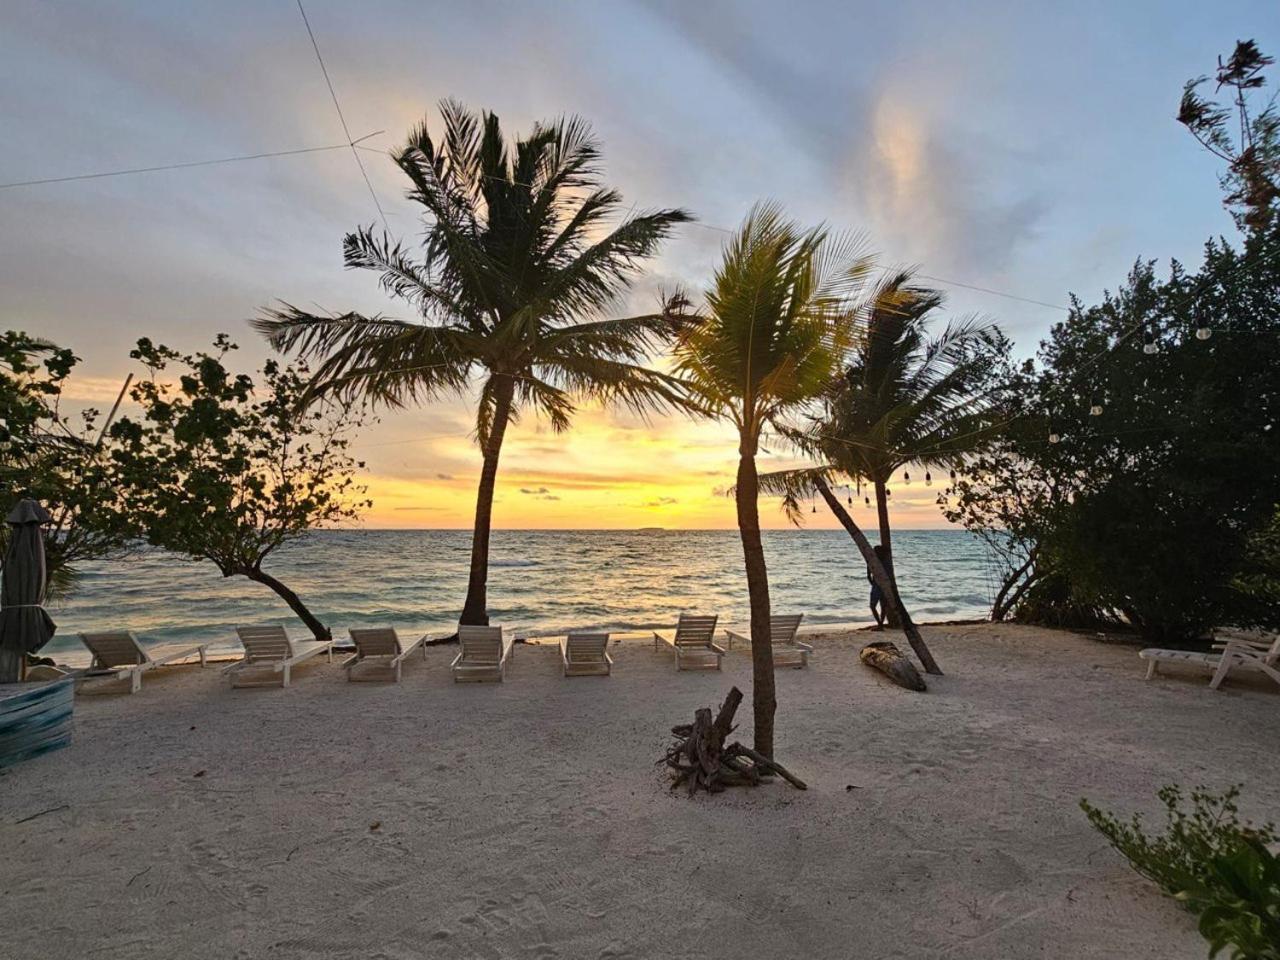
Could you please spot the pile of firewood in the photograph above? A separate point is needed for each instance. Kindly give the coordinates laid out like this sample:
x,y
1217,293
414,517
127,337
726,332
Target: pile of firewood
x,y
700,757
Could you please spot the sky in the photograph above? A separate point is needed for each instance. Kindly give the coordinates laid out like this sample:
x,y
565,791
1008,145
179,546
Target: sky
x,y
1027,148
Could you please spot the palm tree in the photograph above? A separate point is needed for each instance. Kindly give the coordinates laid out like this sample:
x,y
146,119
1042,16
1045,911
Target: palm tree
x,y
518,270
775,328
907,399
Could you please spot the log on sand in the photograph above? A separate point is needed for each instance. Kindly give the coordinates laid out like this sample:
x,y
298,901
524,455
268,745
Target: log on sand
x,y
700,758
884,656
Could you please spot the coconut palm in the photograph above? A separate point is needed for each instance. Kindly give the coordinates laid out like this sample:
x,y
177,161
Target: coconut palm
x,y
907,399
774,330
522,259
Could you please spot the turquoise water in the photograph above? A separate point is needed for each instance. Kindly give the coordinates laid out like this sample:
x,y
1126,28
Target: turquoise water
x,y
540,582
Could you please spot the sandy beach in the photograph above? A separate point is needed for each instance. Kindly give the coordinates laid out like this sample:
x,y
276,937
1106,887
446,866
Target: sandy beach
x,y
528,819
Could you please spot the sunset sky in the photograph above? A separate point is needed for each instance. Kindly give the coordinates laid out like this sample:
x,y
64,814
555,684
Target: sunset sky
x,y
1026,148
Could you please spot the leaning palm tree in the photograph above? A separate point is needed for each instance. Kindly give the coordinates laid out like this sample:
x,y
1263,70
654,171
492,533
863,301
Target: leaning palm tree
x,y
776,325
906,398
522,260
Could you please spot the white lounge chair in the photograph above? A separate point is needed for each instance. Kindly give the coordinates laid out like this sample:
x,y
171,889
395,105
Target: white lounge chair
x,y
787,650
484,654
382,645
586,654
693,643
270,646
117,654
1238,651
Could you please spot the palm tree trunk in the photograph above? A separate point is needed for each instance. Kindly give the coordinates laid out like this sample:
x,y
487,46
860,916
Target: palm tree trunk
x,y
318,629
475,609
763,698
886,549
881,576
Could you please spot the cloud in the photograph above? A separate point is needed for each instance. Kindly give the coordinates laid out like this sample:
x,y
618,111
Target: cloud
x,y
534,491
444,476
662,502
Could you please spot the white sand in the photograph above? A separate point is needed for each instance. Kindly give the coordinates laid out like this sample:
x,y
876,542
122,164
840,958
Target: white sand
x,y
528,819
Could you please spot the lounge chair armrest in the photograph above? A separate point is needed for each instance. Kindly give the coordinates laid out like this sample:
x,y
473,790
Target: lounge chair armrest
x,y
608,659
806,647
347,663
321,646
456,660
717,648
410,648
182,654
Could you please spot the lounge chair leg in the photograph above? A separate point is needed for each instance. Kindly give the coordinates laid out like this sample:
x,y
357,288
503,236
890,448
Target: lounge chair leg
x,y
1151,669
204,660
1224,667
135,681
398,672
285,683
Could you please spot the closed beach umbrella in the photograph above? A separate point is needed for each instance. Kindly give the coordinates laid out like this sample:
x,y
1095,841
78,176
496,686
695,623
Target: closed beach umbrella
x,y
25,626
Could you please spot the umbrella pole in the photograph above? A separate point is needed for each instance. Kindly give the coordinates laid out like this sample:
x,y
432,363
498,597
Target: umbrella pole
x,y
11,665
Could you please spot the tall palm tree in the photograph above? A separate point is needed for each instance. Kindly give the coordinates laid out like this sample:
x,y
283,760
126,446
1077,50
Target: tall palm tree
x,y
775,328
518,270
907,398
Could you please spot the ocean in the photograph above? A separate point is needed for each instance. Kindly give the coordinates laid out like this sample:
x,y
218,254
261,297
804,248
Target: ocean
x,y
541,582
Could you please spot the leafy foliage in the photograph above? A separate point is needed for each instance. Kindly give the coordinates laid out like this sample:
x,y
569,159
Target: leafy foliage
x,y
520,264
223,469
1252,154
52,456
906,397
1166,468
1218,867
779,319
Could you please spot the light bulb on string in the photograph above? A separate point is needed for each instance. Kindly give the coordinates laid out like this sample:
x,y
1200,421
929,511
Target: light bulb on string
x,y
928,479
868,500
953,476
1054,436
1149,345
906,478
1095,409
1203,330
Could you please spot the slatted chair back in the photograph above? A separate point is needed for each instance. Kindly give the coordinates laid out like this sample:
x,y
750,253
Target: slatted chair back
x,y
586,647
480,644
782,629
695,631
376,641
265,643
114,648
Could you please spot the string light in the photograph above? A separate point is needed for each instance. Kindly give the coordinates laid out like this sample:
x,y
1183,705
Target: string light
x,y
906,478
1149,345
1203,330
928,479
1095,409
1054,436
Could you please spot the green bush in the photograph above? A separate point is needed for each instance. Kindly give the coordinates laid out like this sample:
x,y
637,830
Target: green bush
x,y
1217,866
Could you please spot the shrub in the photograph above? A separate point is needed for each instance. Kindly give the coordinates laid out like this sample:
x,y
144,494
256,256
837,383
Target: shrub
x,y
1217,866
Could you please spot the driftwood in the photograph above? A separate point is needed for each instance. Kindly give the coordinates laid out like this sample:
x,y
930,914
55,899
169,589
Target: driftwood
x,y
700,758
884,656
